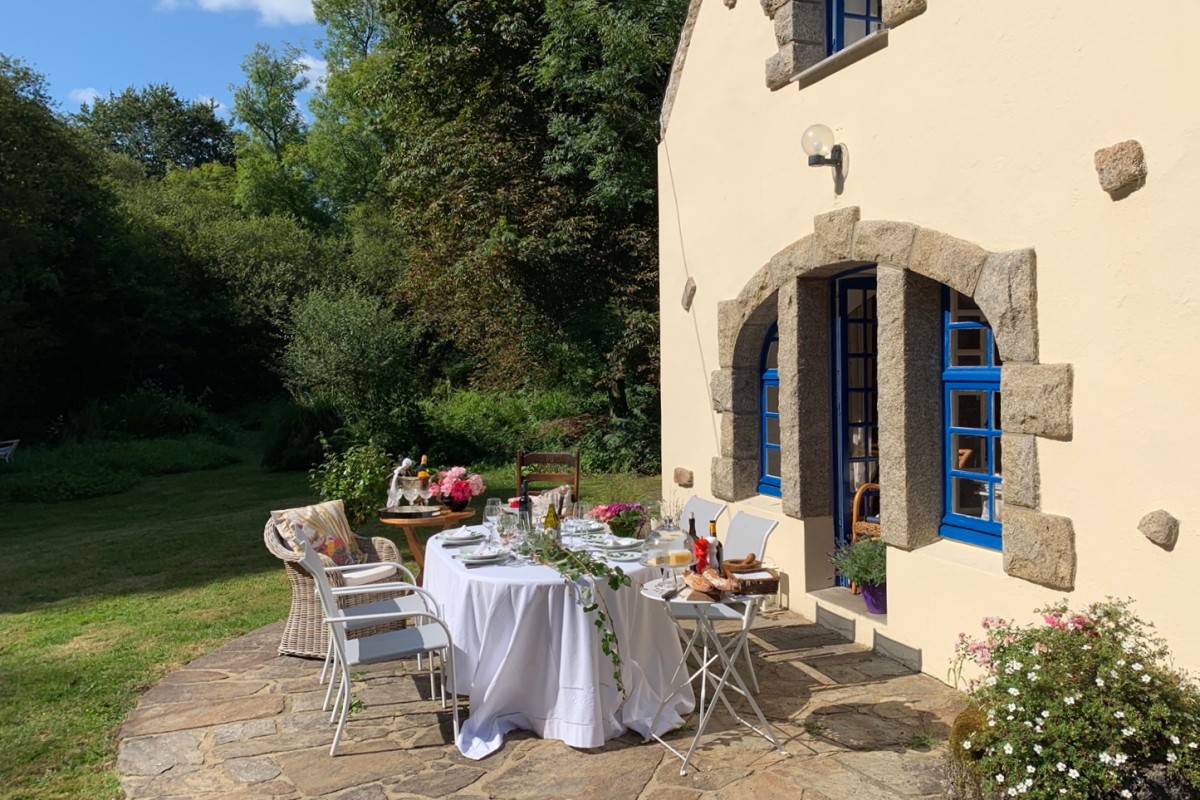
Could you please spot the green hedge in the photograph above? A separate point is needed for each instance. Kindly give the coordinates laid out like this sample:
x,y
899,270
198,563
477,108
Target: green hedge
x,y
96,468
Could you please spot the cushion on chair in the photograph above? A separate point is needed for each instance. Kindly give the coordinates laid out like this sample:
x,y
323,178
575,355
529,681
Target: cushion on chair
x,y
325,527
368,574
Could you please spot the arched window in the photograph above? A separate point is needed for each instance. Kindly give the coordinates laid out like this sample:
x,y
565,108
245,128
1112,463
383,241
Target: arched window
x,y
770,456
972,447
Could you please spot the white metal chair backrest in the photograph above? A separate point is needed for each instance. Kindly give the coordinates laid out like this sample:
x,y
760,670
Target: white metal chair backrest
x,y
747,534
310,559
704,511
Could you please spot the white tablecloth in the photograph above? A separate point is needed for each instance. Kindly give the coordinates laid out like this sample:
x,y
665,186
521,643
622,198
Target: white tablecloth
x,y
530,658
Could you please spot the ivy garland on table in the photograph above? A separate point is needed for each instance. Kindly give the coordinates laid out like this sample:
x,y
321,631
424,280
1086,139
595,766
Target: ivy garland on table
x,y
576,565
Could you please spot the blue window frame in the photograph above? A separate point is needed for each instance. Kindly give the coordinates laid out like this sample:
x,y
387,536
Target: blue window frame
x,y
972,452
847,21
771,452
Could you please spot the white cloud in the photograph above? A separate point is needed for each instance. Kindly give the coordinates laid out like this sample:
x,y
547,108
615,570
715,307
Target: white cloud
x,y
85,95
315,69
270,12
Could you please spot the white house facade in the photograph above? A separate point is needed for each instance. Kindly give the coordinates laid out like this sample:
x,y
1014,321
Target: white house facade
x,y
983,321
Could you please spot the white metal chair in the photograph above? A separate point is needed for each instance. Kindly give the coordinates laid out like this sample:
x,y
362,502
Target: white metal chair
x,y
747,534
704,511
7,448
430,637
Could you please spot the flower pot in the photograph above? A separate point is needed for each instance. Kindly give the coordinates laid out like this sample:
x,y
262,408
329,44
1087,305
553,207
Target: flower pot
x,y
876,598
627,530
456,505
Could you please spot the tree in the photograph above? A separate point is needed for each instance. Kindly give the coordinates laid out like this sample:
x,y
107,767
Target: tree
x,y
155,128
266,103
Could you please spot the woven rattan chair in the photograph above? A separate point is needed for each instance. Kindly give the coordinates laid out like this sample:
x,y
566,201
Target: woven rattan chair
x,y
304,633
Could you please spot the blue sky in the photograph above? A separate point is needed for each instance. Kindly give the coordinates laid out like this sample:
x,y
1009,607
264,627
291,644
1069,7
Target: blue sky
x,y
196,46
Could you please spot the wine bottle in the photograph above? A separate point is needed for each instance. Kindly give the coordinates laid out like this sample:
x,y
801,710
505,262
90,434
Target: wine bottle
x,y
550,523
691,531
525,507
718,553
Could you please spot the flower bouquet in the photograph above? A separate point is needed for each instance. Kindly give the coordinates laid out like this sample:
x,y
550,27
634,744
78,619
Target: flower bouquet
x,y
455,487
623,519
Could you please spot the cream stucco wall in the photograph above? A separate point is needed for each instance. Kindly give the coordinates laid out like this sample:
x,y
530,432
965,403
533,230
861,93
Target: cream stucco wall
x,y
981,122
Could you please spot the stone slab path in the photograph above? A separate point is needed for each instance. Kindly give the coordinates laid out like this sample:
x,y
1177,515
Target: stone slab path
x,y
244,722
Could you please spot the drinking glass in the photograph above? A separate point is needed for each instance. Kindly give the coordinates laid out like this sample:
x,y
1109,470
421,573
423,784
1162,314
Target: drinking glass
x,y
491,515
410,492
424,492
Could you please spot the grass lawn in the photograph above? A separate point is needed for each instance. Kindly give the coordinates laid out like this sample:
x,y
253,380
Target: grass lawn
x,y
100,598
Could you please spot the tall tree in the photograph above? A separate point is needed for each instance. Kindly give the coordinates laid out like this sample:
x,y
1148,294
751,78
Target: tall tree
x,y
266,102
155,128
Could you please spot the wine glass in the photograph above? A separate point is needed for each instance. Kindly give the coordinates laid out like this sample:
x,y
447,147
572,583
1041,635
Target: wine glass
x,y
410,492
423,491
491,515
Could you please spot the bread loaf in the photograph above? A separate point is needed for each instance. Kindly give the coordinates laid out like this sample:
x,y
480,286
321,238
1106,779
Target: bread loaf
x,y
719,583
697,582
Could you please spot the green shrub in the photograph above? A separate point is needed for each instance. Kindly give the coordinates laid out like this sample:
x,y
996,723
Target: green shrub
x,y
864,562
74,482
91,469
470,426
150,413
290,432
1083,706
359,477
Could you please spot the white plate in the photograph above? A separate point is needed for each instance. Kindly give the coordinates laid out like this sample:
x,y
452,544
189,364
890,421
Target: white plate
x,y
461,535
482,555
624,555
619,543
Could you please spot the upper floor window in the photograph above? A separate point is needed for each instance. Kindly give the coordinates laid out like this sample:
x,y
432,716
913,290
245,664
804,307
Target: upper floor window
x,y
771,454
972,446
847,21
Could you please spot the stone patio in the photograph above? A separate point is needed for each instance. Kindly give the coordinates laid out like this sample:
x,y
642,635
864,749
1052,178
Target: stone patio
x,y
244,722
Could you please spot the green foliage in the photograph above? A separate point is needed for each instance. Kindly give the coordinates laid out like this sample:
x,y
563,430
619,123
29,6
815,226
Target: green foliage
x,y
150,412
266,103
581,571
349,351
157,129
864,562
96,468
1083,706
290,434
358,477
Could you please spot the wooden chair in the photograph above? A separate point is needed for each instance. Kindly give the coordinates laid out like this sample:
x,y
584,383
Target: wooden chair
x,y
569,473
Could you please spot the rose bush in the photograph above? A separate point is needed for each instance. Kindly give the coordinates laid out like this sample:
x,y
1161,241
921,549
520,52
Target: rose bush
x,y
1082,706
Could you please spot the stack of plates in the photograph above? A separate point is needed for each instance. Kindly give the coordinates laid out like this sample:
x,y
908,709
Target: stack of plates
x,y
483,554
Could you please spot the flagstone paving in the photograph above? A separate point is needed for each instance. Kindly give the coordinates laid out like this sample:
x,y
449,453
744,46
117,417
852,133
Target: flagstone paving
x,y
244,723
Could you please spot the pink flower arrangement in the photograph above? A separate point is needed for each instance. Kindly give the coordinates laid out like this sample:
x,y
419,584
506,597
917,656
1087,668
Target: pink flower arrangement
x,y
456,485
623,519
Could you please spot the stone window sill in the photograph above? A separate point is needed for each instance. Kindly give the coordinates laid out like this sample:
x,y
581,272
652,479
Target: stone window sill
x,y
842,59
961,554
763,502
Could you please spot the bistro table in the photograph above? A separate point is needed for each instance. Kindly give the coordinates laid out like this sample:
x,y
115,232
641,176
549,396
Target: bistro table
x,y
442,521
530,658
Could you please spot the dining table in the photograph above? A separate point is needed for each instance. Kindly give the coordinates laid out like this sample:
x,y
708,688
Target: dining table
x,y
529,655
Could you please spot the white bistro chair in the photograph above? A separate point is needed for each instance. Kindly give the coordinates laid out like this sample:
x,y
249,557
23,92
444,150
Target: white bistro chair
x,y
704,511
430,637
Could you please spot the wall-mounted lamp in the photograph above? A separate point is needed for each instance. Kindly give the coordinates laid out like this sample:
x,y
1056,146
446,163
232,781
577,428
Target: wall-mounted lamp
x,y
817,141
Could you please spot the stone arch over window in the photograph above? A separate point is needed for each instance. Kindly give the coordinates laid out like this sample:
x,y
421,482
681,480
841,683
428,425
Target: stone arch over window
x,y
912,264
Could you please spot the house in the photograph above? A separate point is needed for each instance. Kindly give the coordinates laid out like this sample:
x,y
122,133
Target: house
x,y
990,307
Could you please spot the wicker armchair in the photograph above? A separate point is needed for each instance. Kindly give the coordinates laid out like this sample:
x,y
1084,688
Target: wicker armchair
x,y
304,633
